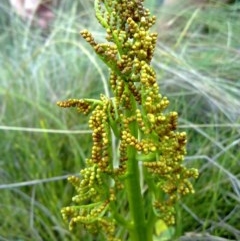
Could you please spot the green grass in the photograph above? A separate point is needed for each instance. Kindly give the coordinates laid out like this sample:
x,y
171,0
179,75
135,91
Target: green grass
x,y
197,60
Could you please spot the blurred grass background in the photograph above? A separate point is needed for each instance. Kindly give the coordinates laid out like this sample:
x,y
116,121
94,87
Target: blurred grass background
x,y
197,61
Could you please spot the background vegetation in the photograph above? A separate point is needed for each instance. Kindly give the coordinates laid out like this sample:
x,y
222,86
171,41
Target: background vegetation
x,y
197,61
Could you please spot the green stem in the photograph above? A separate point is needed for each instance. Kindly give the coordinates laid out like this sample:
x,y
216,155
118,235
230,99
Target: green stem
x,y
139,229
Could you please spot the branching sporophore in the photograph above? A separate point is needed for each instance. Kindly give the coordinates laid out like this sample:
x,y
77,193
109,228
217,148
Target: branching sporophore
x,y
127,187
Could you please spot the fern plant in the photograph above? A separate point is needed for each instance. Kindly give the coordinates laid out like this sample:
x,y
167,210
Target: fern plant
x,y
135,174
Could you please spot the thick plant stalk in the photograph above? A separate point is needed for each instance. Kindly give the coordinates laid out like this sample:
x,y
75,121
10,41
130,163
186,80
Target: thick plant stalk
x,y
142,184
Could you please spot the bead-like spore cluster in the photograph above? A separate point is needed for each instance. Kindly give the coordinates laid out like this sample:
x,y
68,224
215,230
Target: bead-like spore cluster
x,y
136,116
